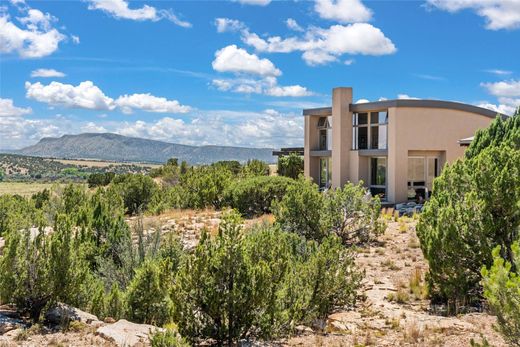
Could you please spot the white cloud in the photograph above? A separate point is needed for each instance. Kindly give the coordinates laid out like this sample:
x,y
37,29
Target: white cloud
x,y
255,2
119,9
406,96
75,39
507,93
34,38
149,103
509,88
293,25
321,46
349,61
85,95
92,127
343,11
47,73
237,60
267,86
362,101
499,14
228,25
499,72
8,109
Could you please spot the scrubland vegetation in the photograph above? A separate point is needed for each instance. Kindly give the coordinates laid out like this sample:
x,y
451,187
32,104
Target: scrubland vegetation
x,y
73,245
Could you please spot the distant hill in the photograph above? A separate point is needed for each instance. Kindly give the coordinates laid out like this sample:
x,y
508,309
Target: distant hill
x,y
115,147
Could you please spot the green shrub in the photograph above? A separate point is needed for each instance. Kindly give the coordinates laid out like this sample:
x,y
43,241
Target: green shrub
x,y
168,338
350,213
502,291
147,298
254,195
473,208
17,213
204,186
100,179
136,190
290,165
255,167
115,303
261,283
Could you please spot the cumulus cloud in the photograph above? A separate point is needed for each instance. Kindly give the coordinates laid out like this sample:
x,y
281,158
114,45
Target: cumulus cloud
x,y
499,14
499,72
343,11
507,93
228,25
238,60
406,96
47,73
85,95
32,37
293,25
119,9
149,103
8,109
267,86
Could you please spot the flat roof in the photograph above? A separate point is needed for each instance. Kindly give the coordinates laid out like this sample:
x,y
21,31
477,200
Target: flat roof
x,y
378,105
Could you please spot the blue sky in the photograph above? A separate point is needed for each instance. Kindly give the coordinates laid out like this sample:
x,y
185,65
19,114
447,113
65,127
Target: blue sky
x,y
240,72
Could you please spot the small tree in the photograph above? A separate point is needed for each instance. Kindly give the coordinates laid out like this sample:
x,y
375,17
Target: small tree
x,y
502,290
136,190
255,167
300,210
290,165
147,298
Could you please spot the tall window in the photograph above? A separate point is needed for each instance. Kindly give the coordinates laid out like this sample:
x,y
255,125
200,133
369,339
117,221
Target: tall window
x,y
370,130
378,177
325,172
325,133
421,173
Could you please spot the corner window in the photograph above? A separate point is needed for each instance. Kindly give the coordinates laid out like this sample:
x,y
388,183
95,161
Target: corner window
x,y
325,172
421,173
370,135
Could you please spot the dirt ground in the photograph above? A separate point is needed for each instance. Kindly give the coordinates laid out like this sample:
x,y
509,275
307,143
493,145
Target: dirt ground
x,y
392,311
395,311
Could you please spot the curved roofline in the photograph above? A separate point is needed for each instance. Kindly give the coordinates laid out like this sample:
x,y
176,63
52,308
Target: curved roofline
x,y
373,106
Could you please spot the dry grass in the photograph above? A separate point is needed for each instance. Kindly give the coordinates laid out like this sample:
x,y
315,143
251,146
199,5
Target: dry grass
x,y
102,163
25,188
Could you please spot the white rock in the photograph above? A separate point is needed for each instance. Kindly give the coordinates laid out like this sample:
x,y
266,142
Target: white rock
x,y
127,334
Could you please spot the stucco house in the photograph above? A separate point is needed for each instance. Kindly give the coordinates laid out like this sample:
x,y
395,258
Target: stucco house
x,y
396,147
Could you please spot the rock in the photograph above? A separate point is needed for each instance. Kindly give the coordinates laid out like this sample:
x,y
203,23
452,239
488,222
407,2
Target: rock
x,y
302,329
109,320
62,313
126,334
8,324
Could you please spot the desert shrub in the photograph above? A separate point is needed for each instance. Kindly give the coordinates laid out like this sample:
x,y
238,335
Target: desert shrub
x,y
168,338
255,167
290,165
254,195
100,179
231,165
40,198
473,209
38,270
260,283
350,213
502,291
204,186
136,190
299,211
115,303
17,213
148,299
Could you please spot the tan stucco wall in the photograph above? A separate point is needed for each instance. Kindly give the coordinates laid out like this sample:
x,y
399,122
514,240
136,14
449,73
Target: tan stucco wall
x,y
341,135
425,129
311,164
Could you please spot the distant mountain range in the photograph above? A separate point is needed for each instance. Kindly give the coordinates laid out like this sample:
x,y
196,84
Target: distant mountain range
x,y
107,146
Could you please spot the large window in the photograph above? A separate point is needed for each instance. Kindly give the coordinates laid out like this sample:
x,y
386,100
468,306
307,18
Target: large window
x,y
378,177
325,172
421,173
370,130
325,133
